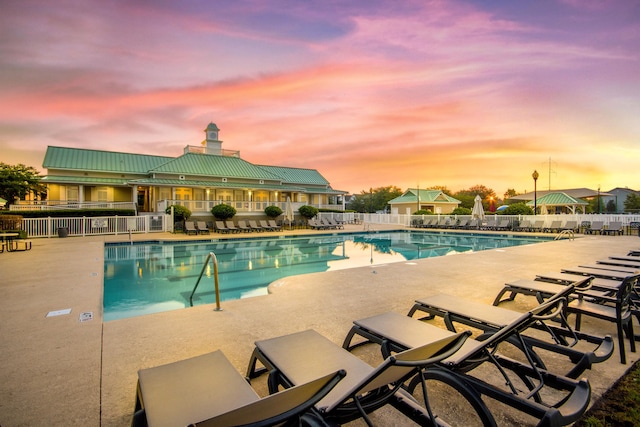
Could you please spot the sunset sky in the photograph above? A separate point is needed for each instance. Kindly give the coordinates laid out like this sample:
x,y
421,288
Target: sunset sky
x,y
370,93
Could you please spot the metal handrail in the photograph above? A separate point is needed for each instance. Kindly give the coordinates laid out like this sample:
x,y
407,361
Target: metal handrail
x,y
212,257
569,233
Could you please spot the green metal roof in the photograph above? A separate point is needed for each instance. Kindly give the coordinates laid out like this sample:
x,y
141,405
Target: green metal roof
x,y
426,196
557,199
102,161
84,179
212,165
205,183
297,175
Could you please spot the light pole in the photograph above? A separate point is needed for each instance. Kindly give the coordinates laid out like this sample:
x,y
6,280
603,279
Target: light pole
x,y
535,176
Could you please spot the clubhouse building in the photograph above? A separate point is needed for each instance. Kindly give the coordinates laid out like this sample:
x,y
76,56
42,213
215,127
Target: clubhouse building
x,y
202,177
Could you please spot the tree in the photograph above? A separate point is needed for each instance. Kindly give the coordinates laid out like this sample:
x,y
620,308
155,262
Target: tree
x,y
509,194
611,207
376,199
468,196
16,182
632,203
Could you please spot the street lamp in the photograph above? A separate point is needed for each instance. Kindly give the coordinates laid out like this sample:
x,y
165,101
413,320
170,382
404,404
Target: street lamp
x,y
535,176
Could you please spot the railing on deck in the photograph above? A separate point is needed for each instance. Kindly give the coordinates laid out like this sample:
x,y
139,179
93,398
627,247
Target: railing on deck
x,y
92,226
198,206
50,205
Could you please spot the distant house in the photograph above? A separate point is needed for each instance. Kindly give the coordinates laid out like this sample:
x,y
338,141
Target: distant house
x,y
618,196
203,176
413,200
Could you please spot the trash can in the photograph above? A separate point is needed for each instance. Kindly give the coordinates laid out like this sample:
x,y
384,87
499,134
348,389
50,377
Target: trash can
x,y
63,232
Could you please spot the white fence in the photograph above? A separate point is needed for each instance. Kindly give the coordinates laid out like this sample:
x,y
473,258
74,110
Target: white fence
x,y
408,220
91,226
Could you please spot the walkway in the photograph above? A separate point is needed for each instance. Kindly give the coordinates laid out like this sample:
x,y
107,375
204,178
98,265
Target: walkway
x,y
61,371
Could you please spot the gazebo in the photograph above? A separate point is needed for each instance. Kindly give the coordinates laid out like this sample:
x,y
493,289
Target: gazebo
x,y
559,200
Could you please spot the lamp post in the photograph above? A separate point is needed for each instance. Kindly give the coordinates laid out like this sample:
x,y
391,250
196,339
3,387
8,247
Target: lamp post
x,y
535,176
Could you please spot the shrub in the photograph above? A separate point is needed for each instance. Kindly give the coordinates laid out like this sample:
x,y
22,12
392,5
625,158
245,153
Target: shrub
x,y
179,212
518,209
423,212
273,211
223,211
308,211
461,211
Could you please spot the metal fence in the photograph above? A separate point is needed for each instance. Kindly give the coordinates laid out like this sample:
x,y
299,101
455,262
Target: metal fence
x,y
92,226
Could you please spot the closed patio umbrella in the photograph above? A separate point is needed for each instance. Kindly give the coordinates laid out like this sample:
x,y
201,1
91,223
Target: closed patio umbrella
x,y
478,210
288,212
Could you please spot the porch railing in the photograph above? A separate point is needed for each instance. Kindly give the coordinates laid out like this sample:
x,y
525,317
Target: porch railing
x,y
92,226
49,205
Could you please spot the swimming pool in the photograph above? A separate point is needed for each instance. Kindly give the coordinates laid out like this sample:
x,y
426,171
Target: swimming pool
x,y
150,277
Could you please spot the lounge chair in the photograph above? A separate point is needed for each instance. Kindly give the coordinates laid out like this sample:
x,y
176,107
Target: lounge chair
x,y
202,227
556,338
395,332
207,390
537,226
523,226
616,309
596,227
502,225
273,225
294,359
442,223
334,223
570,226
221,227
255,226
328,225
242,226
462,224
488,225
265,226
232,227
473,225
555,227
613,228
314,224
190,227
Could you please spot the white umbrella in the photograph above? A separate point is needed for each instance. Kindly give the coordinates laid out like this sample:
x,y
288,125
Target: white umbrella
x,y
478,210
288,212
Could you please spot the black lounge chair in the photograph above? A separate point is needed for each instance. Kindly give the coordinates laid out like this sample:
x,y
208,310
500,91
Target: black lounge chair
x,y
555,227
255,226
190,227
273,225
596,227
523,226
221,227
554,399
613,228
617,309
560,339
202,227
232,227
265,226
293,359
207,390
242,226
537,226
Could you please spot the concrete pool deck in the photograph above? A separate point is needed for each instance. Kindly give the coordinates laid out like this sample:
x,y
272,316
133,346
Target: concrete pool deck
x,y
60,370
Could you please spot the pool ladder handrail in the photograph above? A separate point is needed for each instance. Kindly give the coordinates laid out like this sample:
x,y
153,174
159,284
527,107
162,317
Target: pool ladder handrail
x,y
214,259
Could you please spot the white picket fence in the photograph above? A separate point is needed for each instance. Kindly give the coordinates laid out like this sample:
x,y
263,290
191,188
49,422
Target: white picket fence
x,y
91,226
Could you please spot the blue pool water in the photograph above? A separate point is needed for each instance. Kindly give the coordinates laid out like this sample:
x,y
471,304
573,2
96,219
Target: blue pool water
x,y
151,277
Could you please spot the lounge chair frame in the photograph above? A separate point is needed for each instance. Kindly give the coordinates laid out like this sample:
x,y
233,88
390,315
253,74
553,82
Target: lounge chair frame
x,y
490,319
365,389
456,371
210,392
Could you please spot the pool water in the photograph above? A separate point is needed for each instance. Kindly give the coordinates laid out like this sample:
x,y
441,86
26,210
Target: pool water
x,y
151,277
